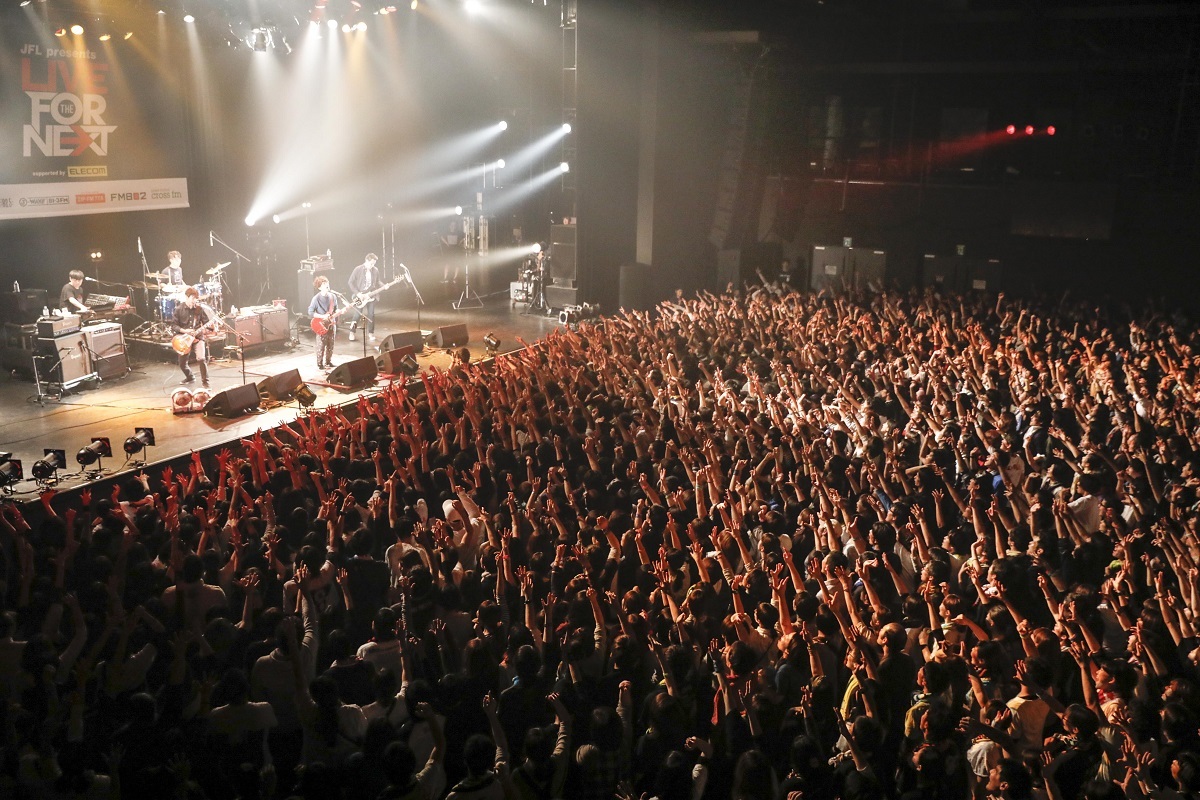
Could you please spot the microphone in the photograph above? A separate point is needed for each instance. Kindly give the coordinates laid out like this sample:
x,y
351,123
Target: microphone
x,y
88,278
210,238
140,246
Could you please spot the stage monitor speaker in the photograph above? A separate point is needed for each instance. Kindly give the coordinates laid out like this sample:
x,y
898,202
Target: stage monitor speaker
x,y
274,325
106,346
64,359
280,387
233,402
395,362
395,341
249,330
451,335
356,373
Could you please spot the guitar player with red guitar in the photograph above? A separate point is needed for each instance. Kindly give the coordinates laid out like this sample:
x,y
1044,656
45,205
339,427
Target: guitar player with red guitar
x,y
324,310
190,321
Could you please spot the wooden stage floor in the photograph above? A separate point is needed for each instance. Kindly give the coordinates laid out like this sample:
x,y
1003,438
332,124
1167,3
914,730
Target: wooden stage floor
x,y
143,397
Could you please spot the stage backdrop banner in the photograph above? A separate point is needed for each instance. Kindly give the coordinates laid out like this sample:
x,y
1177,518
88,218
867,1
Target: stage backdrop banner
x,y
72,139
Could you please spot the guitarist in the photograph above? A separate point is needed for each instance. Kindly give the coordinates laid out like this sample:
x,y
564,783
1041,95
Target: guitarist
x,y
364,278
190,317
325,305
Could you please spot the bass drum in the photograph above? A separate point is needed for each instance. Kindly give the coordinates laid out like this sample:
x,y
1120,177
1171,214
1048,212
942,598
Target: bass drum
x,y
210,294
166,305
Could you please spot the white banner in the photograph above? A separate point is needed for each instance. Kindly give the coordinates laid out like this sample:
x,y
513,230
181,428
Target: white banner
x,y
25,200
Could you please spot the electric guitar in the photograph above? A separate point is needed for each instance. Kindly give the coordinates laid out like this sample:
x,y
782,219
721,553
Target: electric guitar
x,y
182,342
323,324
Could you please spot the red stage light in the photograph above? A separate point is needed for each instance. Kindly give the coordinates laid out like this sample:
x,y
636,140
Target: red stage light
x,y
1010,130
1050,130
1029,130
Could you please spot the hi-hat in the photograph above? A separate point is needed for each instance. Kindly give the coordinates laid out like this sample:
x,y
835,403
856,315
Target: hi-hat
x,y
218,268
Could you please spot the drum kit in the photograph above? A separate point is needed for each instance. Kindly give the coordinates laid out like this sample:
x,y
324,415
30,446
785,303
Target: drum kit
x,y
169,296
533,282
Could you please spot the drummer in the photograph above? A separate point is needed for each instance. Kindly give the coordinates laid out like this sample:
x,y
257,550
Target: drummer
x,y
172,276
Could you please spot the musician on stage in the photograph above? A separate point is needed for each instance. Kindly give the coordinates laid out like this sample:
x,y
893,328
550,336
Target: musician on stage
x,y
364,278
324,304
72,295
191,316
173,272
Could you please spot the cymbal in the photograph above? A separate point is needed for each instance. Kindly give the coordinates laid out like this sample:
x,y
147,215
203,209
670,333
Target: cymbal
x,y
217,268
143,285
156,276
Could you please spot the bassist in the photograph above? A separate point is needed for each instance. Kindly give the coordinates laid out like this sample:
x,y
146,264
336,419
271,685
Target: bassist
x,y
191,316
324,306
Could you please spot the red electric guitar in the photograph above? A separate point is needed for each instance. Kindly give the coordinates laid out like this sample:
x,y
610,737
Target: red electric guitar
x,y
322,324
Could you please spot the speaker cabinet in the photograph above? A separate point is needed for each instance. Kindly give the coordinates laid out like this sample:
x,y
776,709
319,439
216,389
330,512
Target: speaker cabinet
x,y
281,387
249,330
561,296
304,285
106,346
356,373
562,255
274,325
395,341
64,359
394,362
233,402
451,335
22,308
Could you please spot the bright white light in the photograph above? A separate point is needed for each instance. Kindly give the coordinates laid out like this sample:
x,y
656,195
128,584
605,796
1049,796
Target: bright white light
x,y
362,26
537,247
77,29
566,127
275,218
306,205
332,24
188,18
503,124
413,5
565,167
250,222
346,28
458,211
500,164
473,6
104,37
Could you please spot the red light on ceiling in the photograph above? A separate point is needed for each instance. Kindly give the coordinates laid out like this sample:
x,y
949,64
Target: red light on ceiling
x,y
1050,131
1010,130
1029,130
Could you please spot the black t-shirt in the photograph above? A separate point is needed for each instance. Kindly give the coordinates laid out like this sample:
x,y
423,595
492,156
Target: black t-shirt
x,y
69,293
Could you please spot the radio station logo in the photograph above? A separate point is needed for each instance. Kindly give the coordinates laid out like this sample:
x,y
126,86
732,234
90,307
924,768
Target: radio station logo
x,y
48,200
90,197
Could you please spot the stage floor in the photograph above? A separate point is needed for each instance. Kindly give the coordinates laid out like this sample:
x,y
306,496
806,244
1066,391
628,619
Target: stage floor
x,y
143,397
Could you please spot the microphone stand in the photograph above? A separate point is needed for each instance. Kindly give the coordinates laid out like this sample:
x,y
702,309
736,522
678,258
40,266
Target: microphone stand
x,y
420,300
240,258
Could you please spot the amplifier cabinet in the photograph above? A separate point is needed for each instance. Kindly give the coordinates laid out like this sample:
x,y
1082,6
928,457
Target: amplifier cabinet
x,y
64,359
249,329
106,347
274,325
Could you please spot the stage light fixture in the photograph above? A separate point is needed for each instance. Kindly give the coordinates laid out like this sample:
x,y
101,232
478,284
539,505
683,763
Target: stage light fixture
x,y
500,164
1010,130
104,37
25,3
47,467
305,396
1051,130
60,31
77,29
491,343
92,453
565,167
188,18
472,6
331,24
275,218
413,5
128,35
566,127
537,247
250,222
141,439
458,211
1029,130
362,26
259,40
10,470
503,124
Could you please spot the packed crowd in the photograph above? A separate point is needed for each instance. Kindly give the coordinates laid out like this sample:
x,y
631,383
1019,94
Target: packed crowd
x,y
766,544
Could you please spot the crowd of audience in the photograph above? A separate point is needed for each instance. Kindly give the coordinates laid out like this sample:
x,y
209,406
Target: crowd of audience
x,y
767,544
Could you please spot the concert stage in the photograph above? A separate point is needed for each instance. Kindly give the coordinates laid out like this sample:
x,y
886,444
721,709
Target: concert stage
x,y
142,398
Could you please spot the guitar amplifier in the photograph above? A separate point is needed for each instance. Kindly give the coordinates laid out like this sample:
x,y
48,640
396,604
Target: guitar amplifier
x,y
57,325
274,325
249,329
63,359
106,346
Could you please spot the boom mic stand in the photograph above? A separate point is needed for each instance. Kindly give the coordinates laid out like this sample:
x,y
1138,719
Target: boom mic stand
x,y
240,259
468,298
